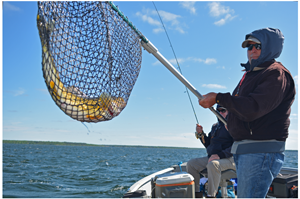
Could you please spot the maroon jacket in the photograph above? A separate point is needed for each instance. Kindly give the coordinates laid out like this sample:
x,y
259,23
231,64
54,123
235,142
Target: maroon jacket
x,y
263,105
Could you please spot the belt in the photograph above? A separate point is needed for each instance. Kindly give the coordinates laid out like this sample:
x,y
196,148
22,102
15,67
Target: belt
x,y
257,146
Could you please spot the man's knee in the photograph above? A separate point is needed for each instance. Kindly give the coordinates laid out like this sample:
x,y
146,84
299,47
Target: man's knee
x,y
213,165
195,164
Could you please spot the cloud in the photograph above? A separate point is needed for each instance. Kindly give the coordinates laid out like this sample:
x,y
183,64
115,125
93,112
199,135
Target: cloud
x,y
171,138
214,86
18,92
296,80
293,132
61,131
174,62
45,91
170,20
169,17
217,10
207,61
156,63
8,128
148,19
10,6
189,5
21,91
294,116
222,67
158,30
221,22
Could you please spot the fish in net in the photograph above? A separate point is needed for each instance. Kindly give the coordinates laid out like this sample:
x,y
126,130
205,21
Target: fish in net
x,y
91,59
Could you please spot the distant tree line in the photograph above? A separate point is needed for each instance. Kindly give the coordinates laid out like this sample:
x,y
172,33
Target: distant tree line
x,y
84,144
47,143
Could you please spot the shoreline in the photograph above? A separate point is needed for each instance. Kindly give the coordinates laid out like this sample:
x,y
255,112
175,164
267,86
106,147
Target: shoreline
x,y
57,143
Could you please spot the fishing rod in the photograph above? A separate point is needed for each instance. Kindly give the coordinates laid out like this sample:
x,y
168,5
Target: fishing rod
x,y
176,61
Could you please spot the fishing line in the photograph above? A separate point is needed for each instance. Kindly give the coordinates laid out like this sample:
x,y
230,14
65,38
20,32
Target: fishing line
x,y
176,61
86,127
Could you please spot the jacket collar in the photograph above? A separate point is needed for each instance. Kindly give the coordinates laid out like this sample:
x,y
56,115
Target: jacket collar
x,y
259,67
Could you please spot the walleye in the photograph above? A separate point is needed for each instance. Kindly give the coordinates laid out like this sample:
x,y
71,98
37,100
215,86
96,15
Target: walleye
x,y
71,100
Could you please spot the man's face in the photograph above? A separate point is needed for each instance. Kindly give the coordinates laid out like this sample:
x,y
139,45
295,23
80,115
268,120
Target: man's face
x,y
253,53
223,112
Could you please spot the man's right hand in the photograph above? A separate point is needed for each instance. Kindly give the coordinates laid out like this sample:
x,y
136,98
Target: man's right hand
x,y
208,100
199,128
199,133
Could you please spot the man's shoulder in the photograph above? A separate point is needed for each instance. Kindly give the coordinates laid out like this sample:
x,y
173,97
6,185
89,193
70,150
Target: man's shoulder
x,y
279,68
215,124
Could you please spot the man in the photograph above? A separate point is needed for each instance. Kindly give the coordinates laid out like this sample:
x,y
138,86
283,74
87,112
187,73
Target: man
x,y
259,110
218,145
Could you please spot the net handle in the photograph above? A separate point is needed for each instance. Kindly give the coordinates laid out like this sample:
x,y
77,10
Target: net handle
x,y
115,8
153,50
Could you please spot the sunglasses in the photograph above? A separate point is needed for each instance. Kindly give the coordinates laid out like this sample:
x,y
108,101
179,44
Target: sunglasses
x,y
222,110
257,46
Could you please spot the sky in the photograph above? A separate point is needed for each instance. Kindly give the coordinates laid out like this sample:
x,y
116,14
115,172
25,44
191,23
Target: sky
x,y
206,37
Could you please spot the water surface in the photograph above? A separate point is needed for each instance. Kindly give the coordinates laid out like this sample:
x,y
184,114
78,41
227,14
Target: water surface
x,y
49,171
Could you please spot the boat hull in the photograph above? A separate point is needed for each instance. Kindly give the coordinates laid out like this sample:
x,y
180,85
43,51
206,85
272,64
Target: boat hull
x,y
145,188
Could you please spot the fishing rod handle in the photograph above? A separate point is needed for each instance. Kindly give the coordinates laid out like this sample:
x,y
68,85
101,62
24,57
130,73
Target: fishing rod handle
x,y
153,50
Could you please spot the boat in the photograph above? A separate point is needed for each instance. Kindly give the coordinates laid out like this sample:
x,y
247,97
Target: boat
x,y
175,182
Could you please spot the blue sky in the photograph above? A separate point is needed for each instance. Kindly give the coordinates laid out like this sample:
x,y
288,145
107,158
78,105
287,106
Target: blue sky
x,y
206,37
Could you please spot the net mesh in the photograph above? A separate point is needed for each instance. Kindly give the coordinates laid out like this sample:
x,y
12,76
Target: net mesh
x,y
91,58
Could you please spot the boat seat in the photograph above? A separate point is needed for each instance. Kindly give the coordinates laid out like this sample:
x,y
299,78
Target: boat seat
x,y
225,176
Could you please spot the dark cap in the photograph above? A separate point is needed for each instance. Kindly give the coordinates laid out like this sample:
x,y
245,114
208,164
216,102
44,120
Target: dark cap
x,y
219,106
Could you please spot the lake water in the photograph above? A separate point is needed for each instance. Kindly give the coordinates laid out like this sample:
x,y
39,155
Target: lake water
x,y
49,171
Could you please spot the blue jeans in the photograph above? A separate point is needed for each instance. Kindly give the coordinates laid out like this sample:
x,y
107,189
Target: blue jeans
x,y
255,173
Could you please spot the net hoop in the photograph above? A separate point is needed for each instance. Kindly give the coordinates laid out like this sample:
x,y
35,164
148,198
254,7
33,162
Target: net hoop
x,y
91,58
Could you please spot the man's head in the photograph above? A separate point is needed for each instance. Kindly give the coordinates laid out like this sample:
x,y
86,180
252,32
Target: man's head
x,y
254,51
223,111
267,44
253,46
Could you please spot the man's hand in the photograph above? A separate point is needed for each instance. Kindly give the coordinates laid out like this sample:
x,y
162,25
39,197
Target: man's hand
x,y
213,157
199,128
208,100
199,131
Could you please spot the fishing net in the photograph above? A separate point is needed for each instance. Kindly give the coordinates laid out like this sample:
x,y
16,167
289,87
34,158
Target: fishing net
x,y
90,58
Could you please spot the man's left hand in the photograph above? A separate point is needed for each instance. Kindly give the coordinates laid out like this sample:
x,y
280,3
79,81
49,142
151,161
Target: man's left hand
x,y
213,157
